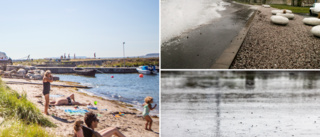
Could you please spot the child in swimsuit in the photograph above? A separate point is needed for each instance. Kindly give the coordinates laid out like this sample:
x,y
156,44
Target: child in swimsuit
x,y
146,109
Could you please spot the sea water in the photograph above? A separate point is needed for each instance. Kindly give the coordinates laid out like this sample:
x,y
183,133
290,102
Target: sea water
x,y
129,88
178,16
236,104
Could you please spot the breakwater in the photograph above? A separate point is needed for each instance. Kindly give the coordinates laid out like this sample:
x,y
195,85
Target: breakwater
x,y
65,70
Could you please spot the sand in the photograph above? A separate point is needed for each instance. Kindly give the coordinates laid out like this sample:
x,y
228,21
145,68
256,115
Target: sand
x,y
129,124
269,46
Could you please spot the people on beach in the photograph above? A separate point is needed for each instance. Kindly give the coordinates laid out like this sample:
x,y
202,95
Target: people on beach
x,y
78,128
92,121
146,109
70,100
47,78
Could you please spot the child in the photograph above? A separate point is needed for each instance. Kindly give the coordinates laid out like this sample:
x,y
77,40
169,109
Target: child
x,y
78,128
147,107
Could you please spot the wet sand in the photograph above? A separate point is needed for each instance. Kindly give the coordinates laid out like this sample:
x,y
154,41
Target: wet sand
x,y
129,124
275,104
200,47
269,46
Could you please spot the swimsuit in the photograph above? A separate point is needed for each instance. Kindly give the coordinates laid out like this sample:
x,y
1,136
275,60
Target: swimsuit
x,y
69,101
46,88
146,110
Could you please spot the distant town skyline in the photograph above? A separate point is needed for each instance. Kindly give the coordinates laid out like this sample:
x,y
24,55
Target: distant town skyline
x,y
44,29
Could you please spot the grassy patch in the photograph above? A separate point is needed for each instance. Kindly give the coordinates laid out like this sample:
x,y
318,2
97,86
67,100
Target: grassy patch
x,y
22,118
294,9
18,128
13,105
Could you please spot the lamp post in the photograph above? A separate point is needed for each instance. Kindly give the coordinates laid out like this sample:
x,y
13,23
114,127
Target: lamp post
x,y
124,61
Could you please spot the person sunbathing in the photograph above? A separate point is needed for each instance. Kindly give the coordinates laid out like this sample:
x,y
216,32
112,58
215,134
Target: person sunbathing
x,y
92,121
67,101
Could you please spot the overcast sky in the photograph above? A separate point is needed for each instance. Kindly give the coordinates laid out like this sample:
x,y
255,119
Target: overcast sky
x,y
50,28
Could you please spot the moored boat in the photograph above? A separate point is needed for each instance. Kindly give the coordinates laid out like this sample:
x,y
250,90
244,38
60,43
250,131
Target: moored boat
x,y
147,70
85,72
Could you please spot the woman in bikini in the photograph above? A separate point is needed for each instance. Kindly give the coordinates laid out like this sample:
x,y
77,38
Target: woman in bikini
x,y
47,79
67,101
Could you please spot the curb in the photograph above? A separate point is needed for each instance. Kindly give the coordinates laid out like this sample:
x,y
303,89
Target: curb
x,y
228,55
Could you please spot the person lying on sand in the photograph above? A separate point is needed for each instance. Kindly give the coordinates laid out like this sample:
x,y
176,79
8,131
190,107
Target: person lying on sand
x,y
92,121
67,101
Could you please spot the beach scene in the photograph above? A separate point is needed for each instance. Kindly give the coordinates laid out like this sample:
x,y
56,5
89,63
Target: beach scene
x,y
79,68
240,103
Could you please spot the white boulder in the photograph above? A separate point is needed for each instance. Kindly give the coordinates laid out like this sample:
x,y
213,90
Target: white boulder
x,y
266,6
279,20
316,31
21,72
274,12
287,15
311,21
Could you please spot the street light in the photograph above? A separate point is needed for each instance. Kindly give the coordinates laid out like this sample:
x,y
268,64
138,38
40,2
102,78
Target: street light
x,y
124,61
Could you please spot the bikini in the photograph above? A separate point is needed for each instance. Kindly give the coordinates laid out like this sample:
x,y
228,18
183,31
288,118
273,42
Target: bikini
x,y
46,88
69,101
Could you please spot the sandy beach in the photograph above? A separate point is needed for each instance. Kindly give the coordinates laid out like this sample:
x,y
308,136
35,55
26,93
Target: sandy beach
x,y
130,124
269,46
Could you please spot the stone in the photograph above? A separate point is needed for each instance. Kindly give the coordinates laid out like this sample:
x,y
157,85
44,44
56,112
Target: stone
x,y
287,15
279,20
21,72
316,31
266,6
311,21
274,12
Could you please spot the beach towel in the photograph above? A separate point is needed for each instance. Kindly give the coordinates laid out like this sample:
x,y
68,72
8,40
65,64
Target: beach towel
x,y
76,111
56,96
92,107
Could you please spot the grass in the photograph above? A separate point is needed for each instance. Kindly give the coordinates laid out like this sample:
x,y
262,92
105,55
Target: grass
x,y
294,9
22,118
131,62
18,128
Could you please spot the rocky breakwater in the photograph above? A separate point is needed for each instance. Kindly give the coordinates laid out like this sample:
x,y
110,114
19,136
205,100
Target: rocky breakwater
x,y
25,72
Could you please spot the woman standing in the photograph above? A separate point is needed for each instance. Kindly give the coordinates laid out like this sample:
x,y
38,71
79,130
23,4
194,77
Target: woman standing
x,y
47,78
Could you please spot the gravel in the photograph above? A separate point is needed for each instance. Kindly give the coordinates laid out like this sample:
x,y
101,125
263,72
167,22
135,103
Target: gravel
x,y
270,46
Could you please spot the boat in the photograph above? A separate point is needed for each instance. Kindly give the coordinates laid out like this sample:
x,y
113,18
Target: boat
x,y
148,70
85,72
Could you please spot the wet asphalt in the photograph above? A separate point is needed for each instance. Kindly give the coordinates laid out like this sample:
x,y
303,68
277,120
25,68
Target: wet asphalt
x,y
199,48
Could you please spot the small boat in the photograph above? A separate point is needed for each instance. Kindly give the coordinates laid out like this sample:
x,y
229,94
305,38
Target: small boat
x,y
85,72
147,70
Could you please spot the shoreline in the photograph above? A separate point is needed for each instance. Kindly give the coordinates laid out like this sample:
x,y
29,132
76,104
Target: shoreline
x,y
128,105
130,124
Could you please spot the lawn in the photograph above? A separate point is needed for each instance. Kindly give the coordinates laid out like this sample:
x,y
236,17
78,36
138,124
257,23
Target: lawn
x,y
294,9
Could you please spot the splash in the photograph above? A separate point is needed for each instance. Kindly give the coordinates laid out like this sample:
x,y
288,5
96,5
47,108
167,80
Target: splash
x,y
178,16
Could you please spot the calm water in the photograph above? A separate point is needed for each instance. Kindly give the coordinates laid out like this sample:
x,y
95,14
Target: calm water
x,y
128,88
240,104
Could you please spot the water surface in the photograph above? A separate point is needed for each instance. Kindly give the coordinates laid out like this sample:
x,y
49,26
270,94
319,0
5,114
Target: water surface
x,y
236,104
128,88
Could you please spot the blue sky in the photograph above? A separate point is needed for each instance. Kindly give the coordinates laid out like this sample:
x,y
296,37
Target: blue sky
x,y
50,28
